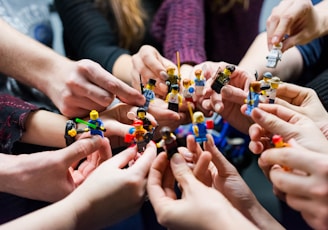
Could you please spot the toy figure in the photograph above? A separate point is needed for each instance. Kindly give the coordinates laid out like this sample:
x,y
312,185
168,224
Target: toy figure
x,y
265,85
253,97
200,127
148,92
174,98
222,78
71,131
172,79
188,91
168,142
199,82
278,142
138,135
274,84
274,55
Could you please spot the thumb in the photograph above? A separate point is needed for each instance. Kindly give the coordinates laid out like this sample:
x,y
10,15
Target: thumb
x,y
81,149
181,171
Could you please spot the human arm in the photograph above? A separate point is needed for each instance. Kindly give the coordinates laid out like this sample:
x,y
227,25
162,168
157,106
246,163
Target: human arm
x,y
206,207
76,87
54,173
305,185
98,200
300,20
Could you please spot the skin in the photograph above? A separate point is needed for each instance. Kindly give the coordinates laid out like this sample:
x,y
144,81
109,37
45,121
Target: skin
x,y
300,20
99,196
76,86
20,174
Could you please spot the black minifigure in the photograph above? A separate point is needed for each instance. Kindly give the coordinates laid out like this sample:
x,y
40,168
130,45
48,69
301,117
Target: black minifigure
x,y
222,78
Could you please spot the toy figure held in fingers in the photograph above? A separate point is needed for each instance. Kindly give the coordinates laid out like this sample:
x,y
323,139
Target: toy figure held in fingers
x,y
188,91
265,86
174,99
199,82
200,126
278,142
172,78
71,131
253,97
274,55
95,124
272,92
148,93
222,78
138,135
168,142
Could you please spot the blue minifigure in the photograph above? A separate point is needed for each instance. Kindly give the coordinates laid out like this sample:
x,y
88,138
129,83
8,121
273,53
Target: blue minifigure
x,y
148,92
200,127
253,97
95,120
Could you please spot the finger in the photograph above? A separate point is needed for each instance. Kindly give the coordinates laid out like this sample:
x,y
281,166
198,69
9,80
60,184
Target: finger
x,y
233,94
194,147
80,149
201,169
122,159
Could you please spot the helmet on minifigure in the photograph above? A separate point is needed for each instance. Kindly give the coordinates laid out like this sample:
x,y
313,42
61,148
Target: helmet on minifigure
x,y
94,115
267,75
198,117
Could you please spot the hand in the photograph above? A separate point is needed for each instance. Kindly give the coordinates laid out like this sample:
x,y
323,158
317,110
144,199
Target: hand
x,y
232,96
53,172
85,85
276,119
305,101
297,19
149,63
305,187
113,192
206,208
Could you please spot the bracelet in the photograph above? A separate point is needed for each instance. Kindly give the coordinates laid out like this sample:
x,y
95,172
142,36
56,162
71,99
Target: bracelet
x,y
70,132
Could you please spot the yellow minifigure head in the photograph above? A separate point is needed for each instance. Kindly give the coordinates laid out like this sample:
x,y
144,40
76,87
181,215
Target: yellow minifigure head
x,y
151,84
275,81
267,76
175,89
186,83
198,117
94,115
198,73
138,125
229,70
141,113
170,70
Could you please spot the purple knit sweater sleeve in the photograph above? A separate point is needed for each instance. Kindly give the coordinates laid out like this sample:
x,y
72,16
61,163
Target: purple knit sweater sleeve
x,y
13,114
180,26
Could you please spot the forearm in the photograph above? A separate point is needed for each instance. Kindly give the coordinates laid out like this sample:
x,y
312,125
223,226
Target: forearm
x,y
27,60
289,68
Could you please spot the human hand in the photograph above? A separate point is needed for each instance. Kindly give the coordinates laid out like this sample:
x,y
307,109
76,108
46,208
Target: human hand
x,y
232,96
206,207
113,192
54,173
273,119
305,101
85,85
305,186
149,63
295,18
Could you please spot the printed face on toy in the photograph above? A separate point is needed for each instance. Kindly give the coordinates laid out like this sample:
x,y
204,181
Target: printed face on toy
x,y
200,119
141,115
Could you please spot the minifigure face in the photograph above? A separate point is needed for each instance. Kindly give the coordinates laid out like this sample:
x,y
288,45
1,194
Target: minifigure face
x,y
199,117
141,115
138,127
226,72
186,84
94,115
174,91
274,85
170,71
150,87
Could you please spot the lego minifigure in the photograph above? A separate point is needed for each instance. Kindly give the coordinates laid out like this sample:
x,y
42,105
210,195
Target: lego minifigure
x,y
222,78
265,83
274,55
168,142
200,127
272,92
138,135
253,97
188,91
174,98
148,92
95,125
278,142
172,79
199,82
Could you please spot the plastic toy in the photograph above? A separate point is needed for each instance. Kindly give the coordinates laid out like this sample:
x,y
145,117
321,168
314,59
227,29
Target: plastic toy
x,y
138,135
188,91
265,85
272,92
274,55
168,142
253,97
172,79
148,92
174,98
278,142
199,125
199,82
222,78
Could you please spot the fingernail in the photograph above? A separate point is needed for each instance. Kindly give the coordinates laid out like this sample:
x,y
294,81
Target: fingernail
x,y
217,108
275,40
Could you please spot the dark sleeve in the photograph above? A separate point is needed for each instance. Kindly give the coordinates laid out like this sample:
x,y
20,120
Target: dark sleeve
x,y
87,33
13,114
179,26
315,57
